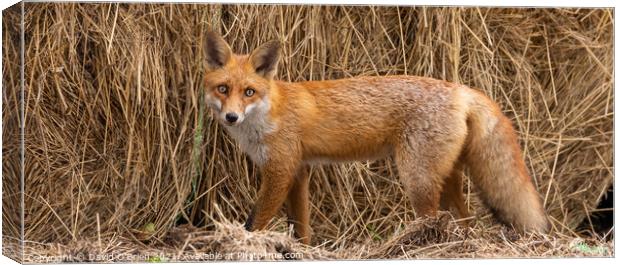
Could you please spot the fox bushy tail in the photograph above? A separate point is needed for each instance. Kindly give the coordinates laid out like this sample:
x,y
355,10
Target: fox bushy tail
x,y
497,168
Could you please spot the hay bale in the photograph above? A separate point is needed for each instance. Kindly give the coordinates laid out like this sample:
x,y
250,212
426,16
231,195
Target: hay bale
x,y
11,166
117,136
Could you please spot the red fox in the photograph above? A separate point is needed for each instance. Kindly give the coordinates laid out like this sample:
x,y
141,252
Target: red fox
x,y
432,128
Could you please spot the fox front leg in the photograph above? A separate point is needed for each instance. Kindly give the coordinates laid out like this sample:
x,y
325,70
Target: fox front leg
x,y
277,180
298,206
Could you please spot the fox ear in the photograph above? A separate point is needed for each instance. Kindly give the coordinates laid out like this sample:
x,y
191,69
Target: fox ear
x,y
265,59
217,52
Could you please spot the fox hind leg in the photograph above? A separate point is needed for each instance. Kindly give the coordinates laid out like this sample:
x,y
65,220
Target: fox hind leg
x,y
452,194
422,169
421,185
425,159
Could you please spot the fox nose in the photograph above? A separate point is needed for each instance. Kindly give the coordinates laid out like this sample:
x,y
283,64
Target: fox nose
x,y
231,117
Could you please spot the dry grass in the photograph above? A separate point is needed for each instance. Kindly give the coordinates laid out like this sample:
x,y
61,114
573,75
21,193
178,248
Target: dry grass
x,y
439,237
117,139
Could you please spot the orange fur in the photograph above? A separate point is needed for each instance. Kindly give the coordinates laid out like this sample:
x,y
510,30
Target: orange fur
x,y
432,128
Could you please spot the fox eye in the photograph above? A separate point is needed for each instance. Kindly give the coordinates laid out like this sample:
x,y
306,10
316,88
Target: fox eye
x,y
249,92
222,89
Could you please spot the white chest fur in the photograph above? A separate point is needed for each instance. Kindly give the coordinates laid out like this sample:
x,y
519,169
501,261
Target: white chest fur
x,y
250,135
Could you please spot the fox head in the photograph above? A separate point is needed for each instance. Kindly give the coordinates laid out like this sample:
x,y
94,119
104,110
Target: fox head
x,y
238,86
